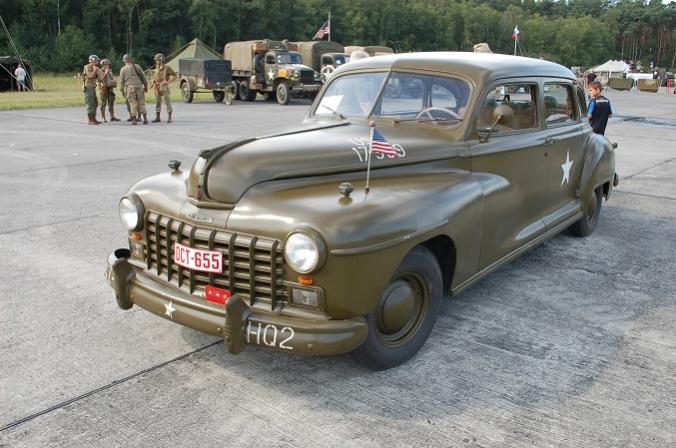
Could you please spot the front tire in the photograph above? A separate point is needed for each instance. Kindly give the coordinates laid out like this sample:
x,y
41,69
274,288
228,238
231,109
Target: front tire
x,y
218,95
283,93
585,226
405,313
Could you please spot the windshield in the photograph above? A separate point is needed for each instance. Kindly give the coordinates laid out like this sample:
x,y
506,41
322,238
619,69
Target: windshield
x,y
352,95
289,58
406,96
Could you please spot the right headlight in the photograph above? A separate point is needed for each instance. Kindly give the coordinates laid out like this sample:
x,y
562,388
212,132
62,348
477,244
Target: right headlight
x,y
130,213
303,252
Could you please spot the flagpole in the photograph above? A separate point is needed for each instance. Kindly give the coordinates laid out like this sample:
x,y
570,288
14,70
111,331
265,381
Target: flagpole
x,y
372,126
329,26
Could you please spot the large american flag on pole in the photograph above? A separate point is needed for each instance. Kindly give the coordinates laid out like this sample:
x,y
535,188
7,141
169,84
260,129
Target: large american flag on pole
x,y
381,145
322,31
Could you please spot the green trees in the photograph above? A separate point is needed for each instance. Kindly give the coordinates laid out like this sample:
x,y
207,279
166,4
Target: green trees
x,y
57,34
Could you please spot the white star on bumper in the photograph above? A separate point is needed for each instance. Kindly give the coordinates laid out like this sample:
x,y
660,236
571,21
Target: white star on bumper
x,y
169,310
566,169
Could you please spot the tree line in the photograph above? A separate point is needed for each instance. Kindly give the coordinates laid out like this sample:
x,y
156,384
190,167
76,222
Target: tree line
x,y
59,35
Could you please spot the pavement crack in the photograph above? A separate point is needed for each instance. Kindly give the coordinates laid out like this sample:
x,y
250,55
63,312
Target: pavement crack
x,y
103,388
649,168
646,195
53,223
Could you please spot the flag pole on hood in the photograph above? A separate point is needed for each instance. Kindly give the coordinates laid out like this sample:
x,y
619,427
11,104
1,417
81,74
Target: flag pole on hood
x,y
372,126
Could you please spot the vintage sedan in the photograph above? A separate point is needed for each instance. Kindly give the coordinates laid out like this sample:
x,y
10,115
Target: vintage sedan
x,y
412,177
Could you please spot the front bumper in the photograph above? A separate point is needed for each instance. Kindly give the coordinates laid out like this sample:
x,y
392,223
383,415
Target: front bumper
x,y
305,88
237,322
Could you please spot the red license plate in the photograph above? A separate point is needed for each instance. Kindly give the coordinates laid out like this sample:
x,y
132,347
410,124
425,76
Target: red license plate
x,y
198,259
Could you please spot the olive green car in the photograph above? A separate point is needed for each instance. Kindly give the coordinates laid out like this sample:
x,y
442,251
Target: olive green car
x,y
412,177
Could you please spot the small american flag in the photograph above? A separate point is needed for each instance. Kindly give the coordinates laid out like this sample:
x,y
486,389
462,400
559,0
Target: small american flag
x,y
379,144
322,31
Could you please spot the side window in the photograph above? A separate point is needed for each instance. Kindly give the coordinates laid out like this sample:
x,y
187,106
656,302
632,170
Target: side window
x,y
326,60
518,106
581,102
270,59
559,104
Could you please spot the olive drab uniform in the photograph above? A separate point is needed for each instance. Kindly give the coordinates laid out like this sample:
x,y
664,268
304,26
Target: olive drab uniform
x,y
91,77
164,73
107,94
133,83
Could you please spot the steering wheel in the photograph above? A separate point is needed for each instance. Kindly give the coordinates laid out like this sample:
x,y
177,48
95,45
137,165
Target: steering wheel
x,y
428,111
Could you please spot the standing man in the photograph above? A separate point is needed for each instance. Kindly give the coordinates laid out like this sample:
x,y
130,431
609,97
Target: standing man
x,y
162,78
92,75
107,86
134,84
20,74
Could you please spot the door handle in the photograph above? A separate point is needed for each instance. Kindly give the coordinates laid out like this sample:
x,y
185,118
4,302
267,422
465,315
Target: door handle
x,y
550,141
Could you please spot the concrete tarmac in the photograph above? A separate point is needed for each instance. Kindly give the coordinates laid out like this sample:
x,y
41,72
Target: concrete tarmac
x,y
571,345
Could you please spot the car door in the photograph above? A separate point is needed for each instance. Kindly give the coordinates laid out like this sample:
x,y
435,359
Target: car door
x,y
564,145
512,168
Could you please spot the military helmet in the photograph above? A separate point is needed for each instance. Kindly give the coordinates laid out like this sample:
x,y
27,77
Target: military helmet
x,y
105,62
126,58
159,57
93,58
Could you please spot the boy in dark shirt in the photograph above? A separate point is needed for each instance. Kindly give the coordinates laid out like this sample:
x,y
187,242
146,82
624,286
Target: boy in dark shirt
x,y
599,109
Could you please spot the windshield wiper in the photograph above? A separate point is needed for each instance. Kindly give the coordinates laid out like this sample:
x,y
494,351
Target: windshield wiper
x,y
333,111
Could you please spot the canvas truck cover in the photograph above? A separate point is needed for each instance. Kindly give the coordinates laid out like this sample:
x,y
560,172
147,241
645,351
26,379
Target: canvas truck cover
x,y
312,52
241,54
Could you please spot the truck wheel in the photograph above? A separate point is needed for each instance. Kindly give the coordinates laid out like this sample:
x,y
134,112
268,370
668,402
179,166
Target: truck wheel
x,y
283,93
405,313
235,90
586,225
186,92
245,93
219,96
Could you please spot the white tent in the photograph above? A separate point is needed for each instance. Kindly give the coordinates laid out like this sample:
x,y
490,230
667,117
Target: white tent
x,y
612,69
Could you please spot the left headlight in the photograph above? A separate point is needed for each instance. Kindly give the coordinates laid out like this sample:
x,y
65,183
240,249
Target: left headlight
x,y
131,212
303,252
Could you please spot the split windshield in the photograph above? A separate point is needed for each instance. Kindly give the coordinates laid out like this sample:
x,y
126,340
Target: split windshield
x,y
400,96
289,58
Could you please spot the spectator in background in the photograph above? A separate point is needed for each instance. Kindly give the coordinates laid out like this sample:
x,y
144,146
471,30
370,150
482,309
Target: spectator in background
x,y
590,77
599,109
20,74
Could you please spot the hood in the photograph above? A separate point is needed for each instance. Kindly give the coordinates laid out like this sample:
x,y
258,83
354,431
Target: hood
x,y
320,148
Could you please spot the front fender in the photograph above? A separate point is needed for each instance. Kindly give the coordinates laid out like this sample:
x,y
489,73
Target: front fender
x,y
366,236
599,167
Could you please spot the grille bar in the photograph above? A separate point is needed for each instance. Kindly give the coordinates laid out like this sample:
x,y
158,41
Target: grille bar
x,y
253,266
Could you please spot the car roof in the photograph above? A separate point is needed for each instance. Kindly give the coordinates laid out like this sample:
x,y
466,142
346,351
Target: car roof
x,y
484,66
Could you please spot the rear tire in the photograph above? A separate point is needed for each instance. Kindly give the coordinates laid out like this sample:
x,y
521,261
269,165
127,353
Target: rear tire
x,y
405,313
283,93
245,93
186,92
585,226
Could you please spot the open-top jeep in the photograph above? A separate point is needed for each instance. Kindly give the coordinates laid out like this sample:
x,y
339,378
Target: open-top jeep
x,y
412,177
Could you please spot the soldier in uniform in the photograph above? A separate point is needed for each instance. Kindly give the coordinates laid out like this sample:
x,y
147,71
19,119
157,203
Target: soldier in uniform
x,y
106,91
92,75
134,84
163,76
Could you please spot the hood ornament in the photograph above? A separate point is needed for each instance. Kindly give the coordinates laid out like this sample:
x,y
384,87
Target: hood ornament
x,y
346,189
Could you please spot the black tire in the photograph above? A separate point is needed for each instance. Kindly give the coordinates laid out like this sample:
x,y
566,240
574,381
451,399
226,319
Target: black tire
x,y
414,297
219,95
245,93
235,86
186,92
283,93
585,226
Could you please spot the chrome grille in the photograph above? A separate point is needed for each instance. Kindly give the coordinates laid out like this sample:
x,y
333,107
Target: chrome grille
x,y
253,266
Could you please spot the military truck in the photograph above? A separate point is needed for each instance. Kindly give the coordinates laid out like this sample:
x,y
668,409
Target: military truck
x,y
323,56
269,67
199,75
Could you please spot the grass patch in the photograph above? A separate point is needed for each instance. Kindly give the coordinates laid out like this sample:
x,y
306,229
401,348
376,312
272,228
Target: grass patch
x,y
64,90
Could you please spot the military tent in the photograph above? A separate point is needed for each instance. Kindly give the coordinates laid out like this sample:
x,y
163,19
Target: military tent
x,y
611,69
193,49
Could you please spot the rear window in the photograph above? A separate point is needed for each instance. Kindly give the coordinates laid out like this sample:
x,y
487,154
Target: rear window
x,y
559,104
